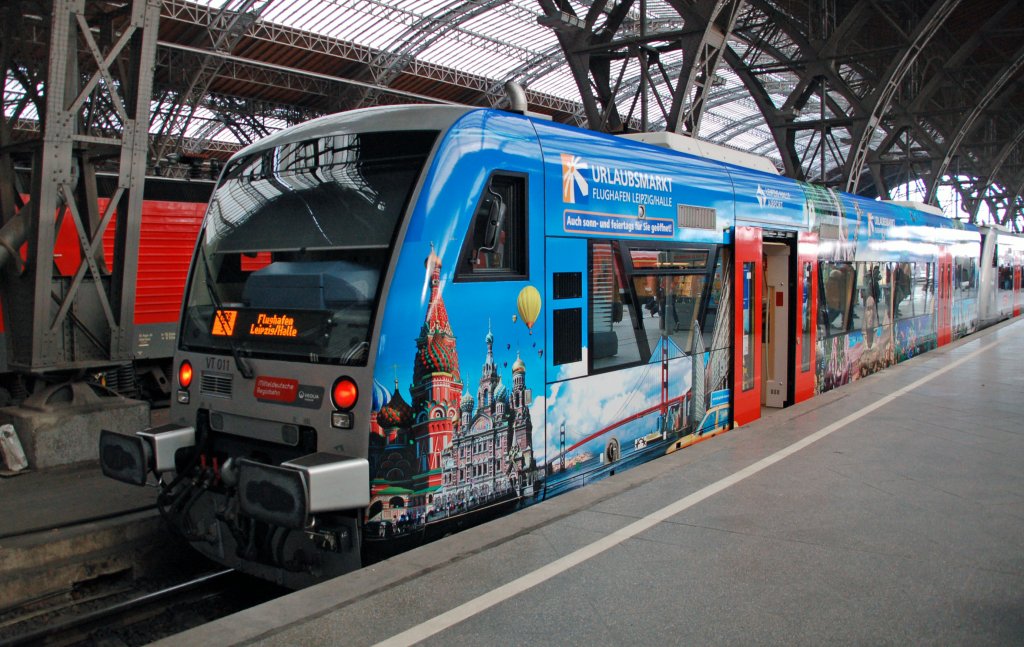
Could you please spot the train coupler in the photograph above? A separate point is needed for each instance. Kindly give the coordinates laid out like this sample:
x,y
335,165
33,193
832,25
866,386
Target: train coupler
x,y
130,458
288,495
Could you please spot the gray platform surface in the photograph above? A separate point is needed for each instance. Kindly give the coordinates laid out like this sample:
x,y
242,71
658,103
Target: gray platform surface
x,y
60,496
42,500
898,518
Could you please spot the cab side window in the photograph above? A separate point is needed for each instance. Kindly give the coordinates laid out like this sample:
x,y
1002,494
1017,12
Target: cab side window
x,y
495,248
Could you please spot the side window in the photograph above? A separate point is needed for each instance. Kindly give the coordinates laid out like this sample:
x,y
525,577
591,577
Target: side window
x,y
747,362
644,296
806,316
901,286
495,248
965,277
836,285
870,305
613,339
924,289
669,307
714,301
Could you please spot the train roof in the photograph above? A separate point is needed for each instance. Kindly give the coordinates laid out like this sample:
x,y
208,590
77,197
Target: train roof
x,y
393,118
704,149
918,206
738,168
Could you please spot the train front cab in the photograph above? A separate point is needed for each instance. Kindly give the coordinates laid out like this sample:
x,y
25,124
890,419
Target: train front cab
x,y
411,462
264,466
775,298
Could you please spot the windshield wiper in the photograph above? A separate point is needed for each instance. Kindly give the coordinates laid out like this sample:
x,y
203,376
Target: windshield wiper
x,y
218,311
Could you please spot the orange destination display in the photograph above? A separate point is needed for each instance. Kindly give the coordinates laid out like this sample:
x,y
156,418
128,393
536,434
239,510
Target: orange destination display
x,y
259,323
274,326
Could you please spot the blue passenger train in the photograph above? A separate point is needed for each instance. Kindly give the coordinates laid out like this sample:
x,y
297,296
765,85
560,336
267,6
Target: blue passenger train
x,y
402,320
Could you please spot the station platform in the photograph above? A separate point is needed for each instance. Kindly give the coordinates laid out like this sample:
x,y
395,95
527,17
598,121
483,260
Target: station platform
x,y
62,526
37,501
889,511
43,501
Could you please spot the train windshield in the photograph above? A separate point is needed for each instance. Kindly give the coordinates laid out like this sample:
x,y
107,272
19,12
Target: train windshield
x,y
294,246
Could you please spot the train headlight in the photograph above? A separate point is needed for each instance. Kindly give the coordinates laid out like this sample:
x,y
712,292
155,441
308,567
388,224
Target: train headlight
x,y
184,380
344,393
342,420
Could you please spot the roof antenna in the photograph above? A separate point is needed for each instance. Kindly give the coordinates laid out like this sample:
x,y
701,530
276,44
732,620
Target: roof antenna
x,y
516,97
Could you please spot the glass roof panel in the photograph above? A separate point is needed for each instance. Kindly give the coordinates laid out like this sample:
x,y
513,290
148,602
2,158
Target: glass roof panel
x,y
497,40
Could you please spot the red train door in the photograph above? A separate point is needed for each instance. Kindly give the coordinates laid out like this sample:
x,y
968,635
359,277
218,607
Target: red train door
x,y
944,291
806,316
1016,288
746,363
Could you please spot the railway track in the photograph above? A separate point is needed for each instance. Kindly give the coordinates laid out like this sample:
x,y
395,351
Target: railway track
x,y
121,616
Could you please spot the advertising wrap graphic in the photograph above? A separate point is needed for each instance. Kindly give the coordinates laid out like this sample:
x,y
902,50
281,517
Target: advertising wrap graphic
x,y
582,222
573,180
609,190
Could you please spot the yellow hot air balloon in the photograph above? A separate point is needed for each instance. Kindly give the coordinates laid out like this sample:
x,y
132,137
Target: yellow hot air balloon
x,y
529,305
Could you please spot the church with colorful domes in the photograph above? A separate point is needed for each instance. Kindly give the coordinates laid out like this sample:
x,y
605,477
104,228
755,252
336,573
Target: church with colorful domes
x,y
445,452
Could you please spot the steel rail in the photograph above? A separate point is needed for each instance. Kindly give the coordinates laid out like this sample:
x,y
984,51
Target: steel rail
x,y
49,633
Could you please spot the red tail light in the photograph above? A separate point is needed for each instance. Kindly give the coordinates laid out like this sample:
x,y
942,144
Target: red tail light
x,y
345,393
185,374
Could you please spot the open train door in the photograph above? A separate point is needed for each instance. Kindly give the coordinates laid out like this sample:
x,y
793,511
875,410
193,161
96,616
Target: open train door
x,y
746,353
944,291
806,316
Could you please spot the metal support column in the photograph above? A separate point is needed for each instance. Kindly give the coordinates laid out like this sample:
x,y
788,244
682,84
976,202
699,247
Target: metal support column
x,y
97,98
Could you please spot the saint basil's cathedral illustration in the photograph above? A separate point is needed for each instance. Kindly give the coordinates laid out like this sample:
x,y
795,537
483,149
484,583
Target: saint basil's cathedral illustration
x,y
445,453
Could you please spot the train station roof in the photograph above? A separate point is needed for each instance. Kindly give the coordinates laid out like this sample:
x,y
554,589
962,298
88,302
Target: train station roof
x,y
861,95
459,52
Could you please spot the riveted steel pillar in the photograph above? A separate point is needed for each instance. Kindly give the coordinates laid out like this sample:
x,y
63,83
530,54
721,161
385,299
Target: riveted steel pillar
x,y
60,315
